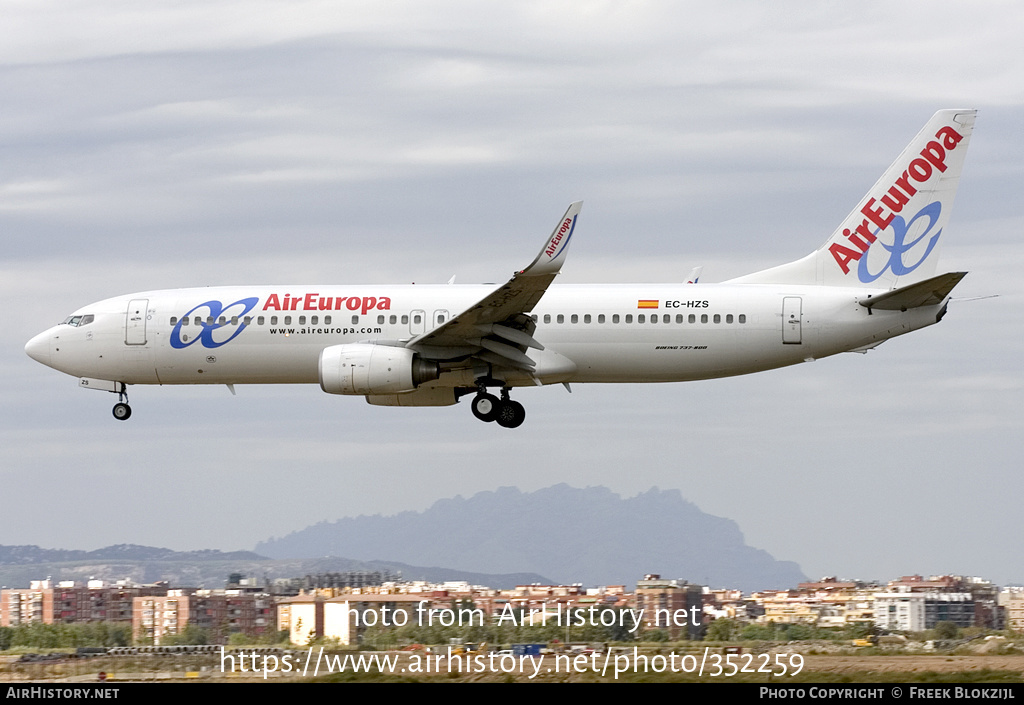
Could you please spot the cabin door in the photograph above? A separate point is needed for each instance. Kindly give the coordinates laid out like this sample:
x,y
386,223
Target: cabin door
x,y
791,329
135,322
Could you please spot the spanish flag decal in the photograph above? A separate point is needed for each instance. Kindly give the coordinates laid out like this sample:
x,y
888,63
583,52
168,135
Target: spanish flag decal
x,y
647,303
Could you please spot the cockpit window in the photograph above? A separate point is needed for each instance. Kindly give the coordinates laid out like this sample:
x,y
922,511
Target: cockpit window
x,y
78,321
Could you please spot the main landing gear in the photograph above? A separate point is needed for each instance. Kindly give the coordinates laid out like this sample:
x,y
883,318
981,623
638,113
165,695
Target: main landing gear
x,y
506,412
122,412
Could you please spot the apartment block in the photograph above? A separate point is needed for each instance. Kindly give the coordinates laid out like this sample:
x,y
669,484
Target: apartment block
x,y
220,613
68,602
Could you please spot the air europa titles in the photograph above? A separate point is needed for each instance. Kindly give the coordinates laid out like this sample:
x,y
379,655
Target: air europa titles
x,y
881,214
564,230
315,302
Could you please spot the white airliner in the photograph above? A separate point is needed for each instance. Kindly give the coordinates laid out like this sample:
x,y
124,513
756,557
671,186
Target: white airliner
x,y
872,280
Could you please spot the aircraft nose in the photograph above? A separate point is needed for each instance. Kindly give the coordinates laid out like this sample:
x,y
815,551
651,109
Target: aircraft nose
x,y
39,348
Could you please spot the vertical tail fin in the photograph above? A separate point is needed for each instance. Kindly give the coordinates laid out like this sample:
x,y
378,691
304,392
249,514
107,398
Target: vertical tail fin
x,y
892,237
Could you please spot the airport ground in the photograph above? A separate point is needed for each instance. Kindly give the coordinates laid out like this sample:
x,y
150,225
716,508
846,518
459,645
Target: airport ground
x,y
863,666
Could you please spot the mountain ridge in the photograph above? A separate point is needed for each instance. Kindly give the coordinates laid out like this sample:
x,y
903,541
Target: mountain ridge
x,y
588,535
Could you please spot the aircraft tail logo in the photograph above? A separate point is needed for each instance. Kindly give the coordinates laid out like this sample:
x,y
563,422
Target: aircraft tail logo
x,y
892,237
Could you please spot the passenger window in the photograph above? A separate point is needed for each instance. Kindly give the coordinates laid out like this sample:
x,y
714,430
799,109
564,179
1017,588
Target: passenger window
x,y
728,318
641,318
615,318
273,320
575,318
380,320
718,318
547,318
287,320
600,318
355,320
691,319
703,318
629,318
313,320
327,320
247,320
302,320
393,319
743,318
234,320
259,320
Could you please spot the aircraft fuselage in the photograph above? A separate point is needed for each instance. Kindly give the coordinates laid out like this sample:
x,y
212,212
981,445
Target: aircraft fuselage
x,y
610,333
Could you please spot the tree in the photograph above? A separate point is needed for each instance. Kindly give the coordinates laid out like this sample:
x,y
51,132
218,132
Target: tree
x,y
722,630
946,630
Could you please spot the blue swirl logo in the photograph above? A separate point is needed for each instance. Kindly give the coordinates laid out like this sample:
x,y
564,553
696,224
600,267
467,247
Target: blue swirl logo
x,y
211,323
899,247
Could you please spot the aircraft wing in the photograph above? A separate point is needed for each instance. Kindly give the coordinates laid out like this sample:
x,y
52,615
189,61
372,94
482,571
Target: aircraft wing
x,y
498,328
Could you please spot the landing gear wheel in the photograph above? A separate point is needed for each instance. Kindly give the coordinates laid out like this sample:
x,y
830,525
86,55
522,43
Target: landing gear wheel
x,y
511,414
485,407
122,412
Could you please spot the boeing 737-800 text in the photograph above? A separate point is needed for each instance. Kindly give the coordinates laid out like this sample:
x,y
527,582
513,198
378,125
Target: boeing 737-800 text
x,y
873,279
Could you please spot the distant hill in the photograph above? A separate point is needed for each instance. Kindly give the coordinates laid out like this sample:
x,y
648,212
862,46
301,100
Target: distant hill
x,y
23,555
591,535
19,565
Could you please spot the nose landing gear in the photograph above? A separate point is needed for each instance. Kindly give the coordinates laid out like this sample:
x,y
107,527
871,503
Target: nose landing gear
x,y
122,412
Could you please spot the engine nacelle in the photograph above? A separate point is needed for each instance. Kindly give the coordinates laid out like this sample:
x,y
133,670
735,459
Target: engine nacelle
x,y
365,369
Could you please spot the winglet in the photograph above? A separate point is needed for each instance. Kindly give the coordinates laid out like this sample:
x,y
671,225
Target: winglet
x,y
552,255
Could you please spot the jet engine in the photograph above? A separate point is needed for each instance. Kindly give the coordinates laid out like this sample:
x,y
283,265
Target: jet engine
x,y
366,369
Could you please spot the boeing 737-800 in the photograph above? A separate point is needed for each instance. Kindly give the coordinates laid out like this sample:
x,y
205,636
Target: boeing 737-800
x,y
873,279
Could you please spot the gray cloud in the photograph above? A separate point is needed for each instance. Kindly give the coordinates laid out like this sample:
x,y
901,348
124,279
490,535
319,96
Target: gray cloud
x,y
190,144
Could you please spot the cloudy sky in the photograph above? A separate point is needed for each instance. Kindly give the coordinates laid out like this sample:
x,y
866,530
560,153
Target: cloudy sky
x,y
173,144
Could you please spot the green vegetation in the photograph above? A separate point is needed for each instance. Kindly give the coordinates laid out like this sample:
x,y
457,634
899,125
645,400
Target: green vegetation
x,y
64,636
733,630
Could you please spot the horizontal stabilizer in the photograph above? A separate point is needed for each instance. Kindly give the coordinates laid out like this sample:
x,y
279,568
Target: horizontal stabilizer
x,y
930,292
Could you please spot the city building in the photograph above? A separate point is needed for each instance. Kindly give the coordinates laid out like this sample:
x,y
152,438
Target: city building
x,y
69,602
219,612
1011,600
675,606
